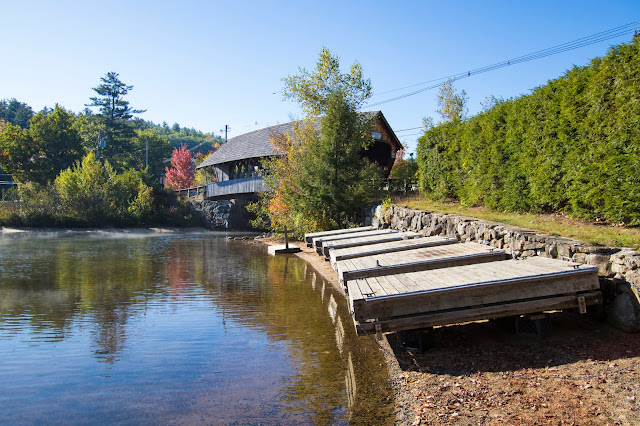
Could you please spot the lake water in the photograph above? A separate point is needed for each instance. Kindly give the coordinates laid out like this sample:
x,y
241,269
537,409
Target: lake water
x,y
190,328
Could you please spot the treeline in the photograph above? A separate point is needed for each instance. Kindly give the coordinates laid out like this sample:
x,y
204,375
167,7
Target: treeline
x,y
100,167
93,194
570,146
195,140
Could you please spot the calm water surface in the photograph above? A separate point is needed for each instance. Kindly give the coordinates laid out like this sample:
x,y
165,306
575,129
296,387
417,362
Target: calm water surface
x,y
177,329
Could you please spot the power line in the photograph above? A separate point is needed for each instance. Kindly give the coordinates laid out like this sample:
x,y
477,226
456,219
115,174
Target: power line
x,y
406,130
561,48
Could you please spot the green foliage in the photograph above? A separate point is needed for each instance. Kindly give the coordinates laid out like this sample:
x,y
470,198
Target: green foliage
x,y
93,194
114,120
195,140
16,113
571,145
159,150
38,154
452,105
321,179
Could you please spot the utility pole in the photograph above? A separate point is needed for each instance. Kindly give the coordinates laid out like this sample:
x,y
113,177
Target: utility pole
x,y
226,129
146,159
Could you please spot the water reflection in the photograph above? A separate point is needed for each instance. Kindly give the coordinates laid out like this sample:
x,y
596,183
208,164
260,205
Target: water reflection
x,y
180,329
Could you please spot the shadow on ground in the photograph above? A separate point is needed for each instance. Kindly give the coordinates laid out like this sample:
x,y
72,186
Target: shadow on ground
x,y
494,346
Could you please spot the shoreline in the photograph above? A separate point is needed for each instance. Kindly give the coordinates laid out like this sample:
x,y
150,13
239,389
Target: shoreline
x,y
584,372
11,231
323,267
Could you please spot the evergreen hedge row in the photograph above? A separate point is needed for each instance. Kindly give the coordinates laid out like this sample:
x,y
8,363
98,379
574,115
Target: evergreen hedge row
x,y
572,145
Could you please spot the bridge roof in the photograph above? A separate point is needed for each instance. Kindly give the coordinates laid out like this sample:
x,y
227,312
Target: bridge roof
x,y
257,144
254,144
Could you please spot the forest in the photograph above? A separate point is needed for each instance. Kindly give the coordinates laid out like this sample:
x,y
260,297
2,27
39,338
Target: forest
x,y
100,167
571,146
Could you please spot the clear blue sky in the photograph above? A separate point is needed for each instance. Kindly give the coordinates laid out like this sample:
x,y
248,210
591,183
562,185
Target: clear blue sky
x,y
204,64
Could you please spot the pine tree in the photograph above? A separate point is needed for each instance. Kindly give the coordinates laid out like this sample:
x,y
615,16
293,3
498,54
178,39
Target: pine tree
x,y
114,119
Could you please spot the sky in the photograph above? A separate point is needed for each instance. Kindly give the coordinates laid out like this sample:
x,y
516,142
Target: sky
x,y
207,64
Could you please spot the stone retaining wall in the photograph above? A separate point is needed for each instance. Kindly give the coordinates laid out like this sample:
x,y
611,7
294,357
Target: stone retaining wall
x,y
619,268
222,215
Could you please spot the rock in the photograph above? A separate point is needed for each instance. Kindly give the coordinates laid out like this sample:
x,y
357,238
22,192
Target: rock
x,y
603,262
623,312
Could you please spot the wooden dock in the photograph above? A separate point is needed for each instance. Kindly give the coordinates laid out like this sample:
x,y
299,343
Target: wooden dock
x,y
396,281
471,292
327,246
308,238
391,247
318,242
419,259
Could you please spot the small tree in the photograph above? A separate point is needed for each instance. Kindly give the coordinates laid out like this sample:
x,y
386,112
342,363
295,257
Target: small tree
x,y
321,180
452,105
180,175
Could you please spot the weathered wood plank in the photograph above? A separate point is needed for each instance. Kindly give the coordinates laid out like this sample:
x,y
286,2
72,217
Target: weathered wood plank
x,y
479,313
422,259
310,236
394,246
318,241
511,280
365,240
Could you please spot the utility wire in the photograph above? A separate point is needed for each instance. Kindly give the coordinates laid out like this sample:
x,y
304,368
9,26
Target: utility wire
x,y
406,130
561,48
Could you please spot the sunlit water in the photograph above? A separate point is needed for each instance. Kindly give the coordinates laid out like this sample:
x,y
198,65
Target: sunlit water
x,y
177,329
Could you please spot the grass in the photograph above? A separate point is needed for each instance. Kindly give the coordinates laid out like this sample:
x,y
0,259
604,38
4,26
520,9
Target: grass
x,y
552,224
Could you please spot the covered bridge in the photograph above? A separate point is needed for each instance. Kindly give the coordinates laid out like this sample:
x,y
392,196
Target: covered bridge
x,y
235,170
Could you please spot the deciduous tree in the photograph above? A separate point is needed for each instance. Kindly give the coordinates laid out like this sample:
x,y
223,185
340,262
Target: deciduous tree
x,y
180,174
38,154
321,180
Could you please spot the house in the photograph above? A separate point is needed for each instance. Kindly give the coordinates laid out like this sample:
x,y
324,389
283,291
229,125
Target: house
x,y
234,170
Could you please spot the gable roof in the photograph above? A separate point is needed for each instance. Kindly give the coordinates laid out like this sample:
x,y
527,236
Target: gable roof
x,y
249,145
258,144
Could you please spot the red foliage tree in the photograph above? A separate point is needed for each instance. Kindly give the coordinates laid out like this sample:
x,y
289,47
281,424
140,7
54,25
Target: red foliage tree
x,y
180,175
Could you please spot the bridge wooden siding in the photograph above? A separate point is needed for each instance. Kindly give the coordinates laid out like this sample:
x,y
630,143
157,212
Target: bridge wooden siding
x,y
396,301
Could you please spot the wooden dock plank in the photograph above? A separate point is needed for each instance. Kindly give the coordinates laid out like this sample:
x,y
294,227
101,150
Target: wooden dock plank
x,y
310,236
386,285
421,259
461,286
365,240
399,285
389,247
478,313
317,242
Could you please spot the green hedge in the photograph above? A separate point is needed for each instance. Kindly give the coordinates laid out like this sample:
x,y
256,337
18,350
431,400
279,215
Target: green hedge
x,y
572,145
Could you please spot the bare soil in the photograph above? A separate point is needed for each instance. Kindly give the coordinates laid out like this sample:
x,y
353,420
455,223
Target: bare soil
x,y
583,372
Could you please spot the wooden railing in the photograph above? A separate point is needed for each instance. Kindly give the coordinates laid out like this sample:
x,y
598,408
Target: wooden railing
x,y
194,191
400,185
249,185
254,185
227,188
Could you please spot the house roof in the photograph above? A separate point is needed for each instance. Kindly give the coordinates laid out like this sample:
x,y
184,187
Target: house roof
x,y
258,144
